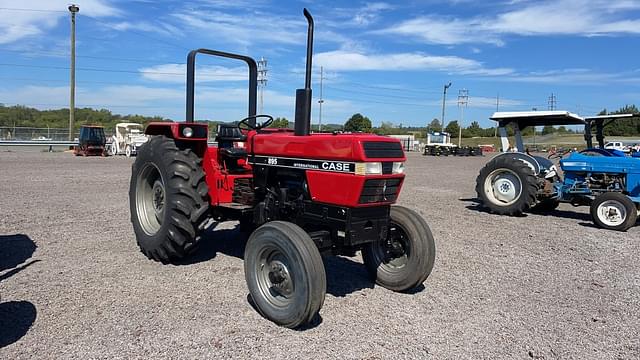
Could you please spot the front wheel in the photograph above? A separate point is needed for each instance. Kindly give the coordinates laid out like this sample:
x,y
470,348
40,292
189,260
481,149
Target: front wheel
x,y
127,151
405,258
614,211
285,274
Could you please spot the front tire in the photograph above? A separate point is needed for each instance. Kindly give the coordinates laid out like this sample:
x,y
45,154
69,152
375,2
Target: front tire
x,y
614,211
168,199
285,274
405,259
507,186
127,151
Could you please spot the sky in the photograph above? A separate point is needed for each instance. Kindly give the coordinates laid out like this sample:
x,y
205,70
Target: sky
x,y
386,60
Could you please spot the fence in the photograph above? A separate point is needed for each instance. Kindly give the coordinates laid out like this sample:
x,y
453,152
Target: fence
x,y
33,133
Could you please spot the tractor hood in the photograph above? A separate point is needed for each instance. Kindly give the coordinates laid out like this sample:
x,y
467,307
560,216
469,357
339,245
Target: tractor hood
x,y
352,147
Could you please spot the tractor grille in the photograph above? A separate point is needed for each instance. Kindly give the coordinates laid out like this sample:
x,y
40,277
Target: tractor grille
x,y
379,190
382,149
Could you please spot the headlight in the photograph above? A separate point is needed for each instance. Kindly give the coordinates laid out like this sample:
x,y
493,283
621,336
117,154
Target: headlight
x,y
187,132
369,168
398,168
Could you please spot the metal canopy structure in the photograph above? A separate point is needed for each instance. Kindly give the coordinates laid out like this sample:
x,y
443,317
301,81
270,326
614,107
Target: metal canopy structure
x,y
537,118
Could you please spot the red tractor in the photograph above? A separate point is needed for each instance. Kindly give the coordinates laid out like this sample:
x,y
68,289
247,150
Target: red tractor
x,y
301,194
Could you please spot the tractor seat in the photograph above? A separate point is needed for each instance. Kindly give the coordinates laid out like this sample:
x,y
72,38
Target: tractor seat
x,y
233,152
228,134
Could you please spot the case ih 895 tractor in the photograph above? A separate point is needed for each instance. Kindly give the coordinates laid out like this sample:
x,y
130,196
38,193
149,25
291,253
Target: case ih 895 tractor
x,y
304,194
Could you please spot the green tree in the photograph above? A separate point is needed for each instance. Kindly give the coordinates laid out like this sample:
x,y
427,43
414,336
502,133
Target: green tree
x,y
434,125
358,122
473,130
453,128
548,129
280,122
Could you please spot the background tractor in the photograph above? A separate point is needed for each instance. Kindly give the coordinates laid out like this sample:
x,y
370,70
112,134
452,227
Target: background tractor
x,y
127,139
606,180
299,194
91,141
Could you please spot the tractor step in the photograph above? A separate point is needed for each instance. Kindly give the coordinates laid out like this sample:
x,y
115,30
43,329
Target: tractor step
x,y
235,206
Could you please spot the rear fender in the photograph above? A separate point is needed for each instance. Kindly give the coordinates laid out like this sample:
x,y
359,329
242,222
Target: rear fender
x,y
197,141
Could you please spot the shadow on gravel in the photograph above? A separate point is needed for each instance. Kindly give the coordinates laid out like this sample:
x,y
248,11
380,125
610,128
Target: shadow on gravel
x,y
230,242
16,317
476,206
345,276
14,250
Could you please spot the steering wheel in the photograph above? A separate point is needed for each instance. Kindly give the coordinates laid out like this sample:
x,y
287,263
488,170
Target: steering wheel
x,y
263,125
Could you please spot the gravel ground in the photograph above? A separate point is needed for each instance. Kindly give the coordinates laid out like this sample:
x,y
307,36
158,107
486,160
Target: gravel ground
x,y
73,283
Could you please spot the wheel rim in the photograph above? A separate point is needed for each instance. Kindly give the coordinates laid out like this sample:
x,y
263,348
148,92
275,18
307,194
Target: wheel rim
x,y
503,187
150,199
612,213
394,252
274,276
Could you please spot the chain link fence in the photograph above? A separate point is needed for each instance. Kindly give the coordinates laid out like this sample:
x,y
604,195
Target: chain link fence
x,y
34,133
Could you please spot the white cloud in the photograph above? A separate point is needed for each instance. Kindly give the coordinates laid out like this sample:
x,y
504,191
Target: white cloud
x,y
16,25
562,17
370,13
176,73
573,77
342,60
234,27
159,28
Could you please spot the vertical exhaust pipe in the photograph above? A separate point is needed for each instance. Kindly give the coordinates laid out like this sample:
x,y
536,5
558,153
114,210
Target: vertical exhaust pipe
x,y
303,96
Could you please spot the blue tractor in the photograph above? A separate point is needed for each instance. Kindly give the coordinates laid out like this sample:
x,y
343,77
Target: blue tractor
x,y
606,180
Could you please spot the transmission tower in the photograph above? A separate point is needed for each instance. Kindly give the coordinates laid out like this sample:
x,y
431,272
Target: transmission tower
x,y
552,102
463,101
262,82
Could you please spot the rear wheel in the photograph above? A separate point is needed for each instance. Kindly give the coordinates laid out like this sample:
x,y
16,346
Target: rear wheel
x,y
285,274
614,211
405,259
168,199
507,186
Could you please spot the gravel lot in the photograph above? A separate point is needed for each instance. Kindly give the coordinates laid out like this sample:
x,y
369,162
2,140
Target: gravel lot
x,y
73,283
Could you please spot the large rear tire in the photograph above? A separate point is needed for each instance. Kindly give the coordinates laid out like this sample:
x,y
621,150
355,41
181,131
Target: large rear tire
x,y
168,199
614,211
405,259
285,274
507,186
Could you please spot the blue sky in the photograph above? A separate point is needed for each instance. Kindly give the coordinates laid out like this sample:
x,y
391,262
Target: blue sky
x,y
386,60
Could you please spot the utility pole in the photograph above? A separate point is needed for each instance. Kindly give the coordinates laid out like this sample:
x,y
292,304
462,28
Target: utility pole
x,y
72,99
262,82
444,101
552,102
463,100
321,101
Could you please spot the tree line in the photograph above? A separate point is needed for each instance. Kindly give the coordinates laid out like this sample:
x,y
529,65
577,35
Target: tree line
x,y
22,116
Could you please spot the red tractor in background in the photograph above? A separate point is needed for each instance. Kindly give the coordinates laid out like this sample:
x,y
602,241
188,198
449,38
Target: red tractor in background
x,y
304,194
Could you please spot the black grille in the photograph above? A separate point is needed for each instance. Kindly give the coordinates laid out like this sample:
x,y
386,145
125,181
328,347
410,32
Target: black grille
x,y
383,149
379,190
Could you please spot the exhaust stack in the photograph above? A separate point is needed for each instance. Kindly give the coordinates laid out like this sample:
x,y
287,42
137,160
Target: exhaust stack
x,y
303,96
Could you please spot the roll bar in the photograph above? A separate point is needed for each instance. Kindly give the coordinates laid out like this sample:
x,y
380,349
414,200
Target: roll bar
x,y
191,68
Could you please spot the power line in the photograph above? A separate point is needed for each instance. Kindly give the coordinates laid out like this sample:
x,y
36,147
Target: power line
x,y
32,10
60,54
106,70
